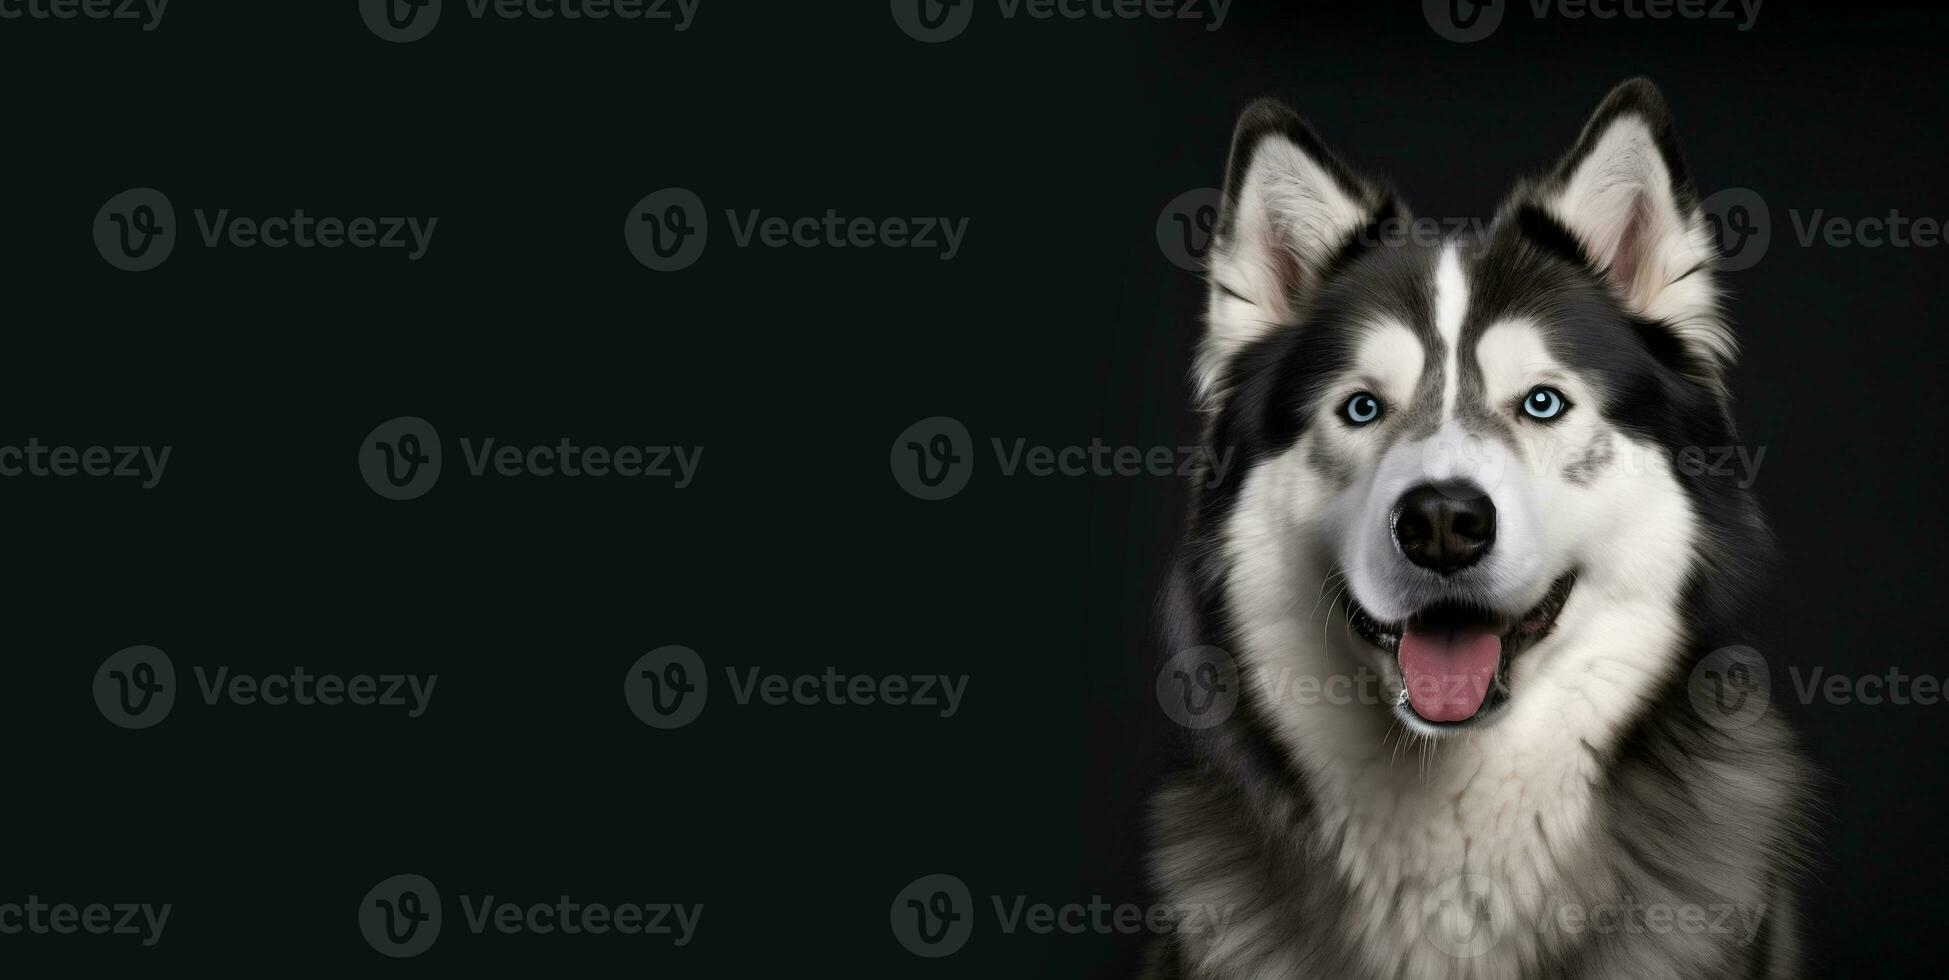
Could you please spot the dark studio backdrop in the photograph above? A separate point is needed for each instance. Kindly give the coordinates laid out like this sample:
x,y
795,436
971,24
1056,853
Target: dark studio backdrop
x,y
1057,147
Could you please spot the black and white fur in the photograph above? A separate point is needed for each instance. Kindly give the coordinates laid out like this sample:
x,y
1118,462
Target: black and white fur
x,y
1352,840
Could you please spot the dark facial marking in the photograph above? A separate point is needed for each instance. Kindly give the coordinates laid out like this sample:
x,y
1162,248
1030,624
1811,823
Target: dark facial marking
x,y
1333,465
1583,469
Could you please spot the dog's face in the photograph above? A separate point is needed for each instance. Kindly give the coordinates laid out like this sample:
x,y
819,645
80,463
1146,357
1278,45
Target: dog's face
x,y
1466,447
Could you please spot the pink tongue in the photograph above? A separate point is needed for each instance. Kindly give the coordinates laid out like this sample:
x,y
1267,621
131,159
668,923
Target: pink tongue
x,y
1448,671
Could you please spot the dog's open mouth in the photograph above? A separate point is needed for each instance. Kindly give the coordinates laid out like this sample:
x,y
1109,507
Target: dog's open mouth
x,y
1454,657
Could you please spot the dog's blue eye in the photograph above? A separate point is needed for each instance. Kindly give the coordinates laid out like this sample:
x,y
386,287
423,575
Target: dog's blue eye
x,y
1544,403
1363,408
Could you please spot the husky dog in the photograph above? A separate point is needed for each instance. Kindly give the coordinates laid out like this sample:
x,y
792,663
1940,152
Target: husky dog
x,y
1471,601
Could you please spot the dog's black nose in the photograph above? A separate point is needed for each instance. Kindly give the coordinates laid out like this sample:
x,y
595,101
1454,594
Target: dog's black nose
x,y
1445,527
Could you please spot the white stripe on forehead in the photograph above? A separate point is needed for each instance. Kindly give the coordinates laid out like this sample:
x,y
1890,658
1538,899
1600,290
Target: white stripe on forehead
x,y
1451,304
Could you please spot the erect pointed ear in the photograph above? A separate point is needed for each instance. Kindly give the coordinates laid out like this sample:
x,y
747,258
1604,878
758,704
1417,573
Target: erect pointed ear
x,y
1290,208
1624,193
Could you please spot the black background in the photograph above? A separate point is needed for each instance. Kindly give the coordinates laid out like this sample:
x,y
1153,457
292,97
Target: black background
x,y
1060,321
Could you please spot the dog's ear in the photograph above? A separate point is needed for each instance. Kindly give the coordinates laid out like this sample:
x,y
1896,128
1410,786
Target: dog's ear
x,y
1623,192
1290,208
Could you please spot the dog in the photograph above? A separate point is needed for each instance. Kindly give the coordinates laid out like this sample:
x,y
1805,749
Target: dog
x,y
1460,499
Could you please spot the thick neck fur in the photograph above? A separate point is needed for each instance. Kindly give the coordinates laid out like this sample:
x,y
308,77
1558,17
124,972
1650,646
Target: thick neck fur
x,y
1385,851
